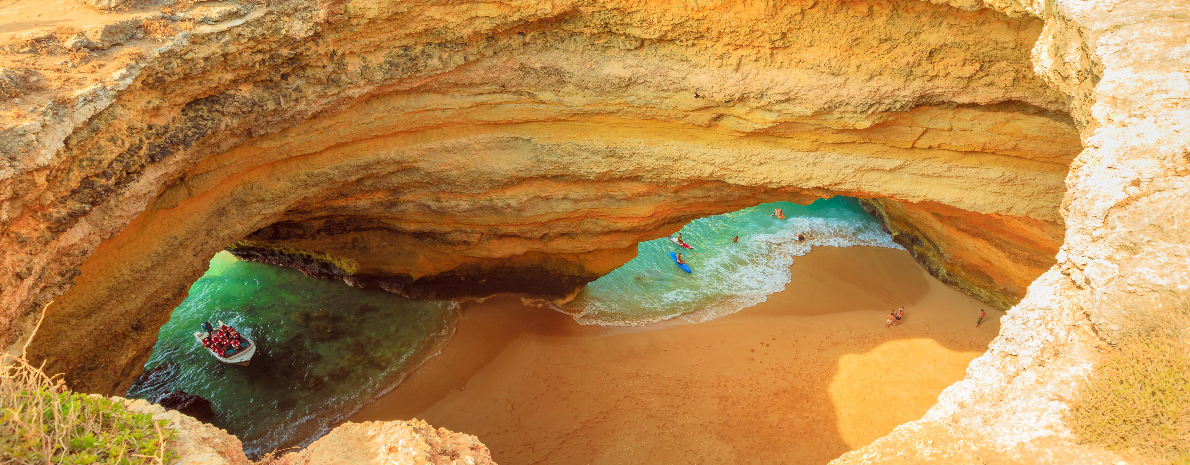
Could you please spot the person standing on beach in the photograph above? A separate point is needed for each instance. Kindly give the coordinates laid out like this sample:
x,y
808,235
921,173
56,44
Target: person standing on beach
x,y
891,318
900,313
980,320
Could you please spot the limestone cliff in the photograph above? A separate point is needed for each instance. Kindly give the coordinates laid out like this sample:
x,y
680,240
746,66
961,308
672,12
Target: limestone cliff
x,y
991,257
409,144
1124,265
417,146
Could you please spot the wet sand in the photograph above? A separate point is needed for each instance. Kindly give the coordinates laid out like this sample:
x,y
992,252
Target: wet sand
x,y
799,379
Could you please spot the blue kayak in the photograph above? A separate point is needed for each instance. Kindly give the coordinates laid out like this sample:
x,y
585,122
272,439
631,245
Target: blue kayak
x,y
683,266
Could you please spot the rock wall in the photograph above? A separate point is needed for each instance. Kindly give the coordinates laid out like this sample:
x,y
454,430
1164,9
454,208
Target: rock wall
x,y
415,147
403,141
991,257
1124,265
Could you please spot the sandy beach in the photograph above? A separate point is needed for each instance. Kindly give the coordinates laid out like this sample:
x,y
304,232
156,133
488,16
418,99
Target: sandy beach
x,y
799,379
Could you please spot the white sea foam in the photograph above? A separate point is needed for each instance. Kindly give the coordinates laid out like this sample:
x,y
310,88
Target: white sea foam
x,y
728,277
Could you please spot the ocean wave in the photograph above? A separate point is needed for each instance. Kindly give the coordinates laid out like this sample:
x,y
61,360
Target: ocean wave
x,y
727,277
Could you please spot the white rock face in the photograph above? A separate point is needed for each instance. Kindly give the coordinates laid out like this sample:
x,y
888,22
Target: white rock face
x,y
1125,264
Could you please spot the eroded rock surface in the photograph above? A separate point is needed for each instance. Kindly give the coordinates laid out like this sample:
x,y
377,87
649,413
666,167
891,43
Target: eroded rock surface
x,y
375,442
991,257
392,442
397,143
1124,266
195,442
429,149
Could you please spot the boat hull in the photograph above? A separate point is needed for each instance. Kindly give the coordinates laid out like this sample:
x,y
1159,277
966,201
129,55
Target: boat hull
x,y
241,358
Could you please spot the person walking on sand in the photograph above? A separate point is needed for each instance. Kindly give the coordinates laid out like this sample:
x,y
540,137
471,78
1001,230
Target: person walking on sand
x,y
980,320
889,321
900,313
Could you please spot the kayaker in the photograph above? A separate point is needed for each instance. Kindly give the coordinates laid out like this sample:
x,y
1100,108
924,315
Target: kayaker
x,y
678,259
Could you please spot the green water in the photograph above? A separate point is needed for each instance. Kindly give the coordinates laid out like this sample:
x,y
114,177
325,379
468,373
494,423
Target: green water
x,y
726,276
324,349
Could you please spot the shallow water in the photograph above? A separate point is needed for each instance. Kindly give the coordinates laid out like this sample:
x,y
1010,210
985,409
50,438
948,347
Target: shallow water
x,y
324,349
726,277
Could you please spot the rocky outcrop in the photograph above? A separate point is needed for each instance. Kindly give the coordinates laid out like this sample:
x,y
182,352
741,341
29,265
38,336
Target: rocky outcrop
x,y
397,143
378,442
383,442
991,257
1124,265
189,404
415,149
194,442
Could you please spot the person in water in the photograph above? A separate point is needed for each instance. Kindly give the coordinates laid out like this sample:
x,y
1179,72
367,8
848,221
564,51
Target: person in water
x,y
678,258
735,239
801,237
981,315
779,214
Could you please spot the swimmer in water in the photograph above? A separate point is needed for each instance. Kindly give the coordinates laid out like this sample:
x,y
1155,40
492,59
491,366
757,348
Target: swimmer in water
x,y
801,237
735,239
779,214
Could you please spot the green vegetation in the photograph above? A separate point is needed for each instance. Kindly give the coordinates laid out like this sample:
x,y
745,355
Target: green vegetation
x,y
42,423
1138,400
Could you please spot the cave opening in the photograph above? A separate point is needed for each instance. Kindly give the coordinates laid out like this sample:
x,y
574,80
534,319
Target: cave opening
x,y
330,353
965,148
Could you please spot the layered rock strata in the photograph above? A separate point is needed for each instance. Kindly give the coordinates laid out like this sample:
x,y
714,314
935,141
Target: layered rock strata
x,y
403,141
403,145
1124,264
991,257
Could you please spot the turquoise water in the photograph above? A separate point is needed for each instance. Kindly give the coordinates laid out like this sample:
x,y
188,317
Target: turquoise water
x,y
726,277
324,349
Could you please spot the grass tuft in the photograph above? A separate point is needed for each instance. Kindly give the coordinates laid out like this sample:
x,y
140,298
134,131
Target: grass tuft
x,y
41,422
1138,400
